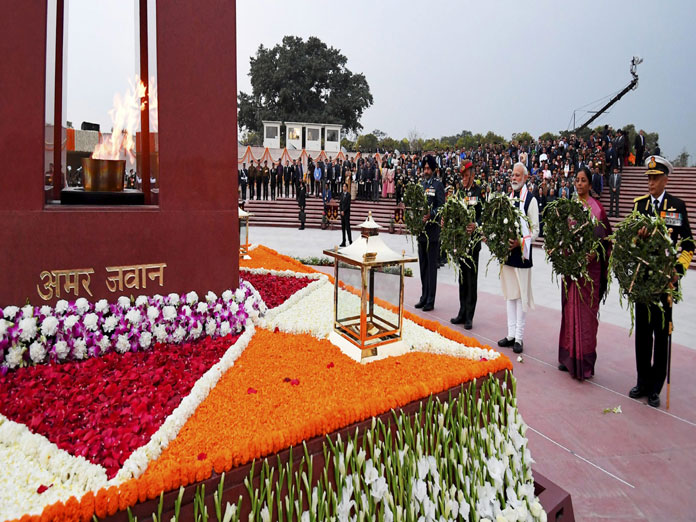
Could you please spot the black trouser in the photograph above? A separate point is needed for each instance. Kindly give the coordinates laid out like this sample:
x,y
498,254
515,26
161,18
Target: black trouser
x,y
345,227
287,188
651,345
613,202
243,186
273,190
368,190
258,189
265,189
251,189
428,258
311,184
468,283
639,157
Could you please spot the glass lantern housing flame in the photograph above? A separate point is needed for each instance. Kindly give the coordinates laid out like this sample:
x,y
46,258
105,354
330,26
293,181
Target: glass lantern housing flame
x,y
364,329
244,233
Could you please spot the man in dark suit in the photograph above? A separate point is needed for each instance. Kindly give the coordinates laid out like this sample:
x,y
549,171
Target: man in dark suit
x,y
639,143
243,180
615,189
597,183
621,150
252,180
429,241
344,207
302,202
297,175
610,158
287,178
652,328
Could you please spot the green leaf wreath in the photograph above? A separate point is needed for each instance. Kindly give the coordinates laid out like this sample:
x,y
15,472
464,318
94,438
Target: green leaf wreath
x,y
455,241
416,207
643,266
501,222
569,238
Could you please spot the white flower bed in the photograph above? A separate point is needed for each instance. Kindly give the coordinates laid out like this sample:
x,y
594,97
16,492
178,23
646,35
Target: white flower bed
x,y
312,313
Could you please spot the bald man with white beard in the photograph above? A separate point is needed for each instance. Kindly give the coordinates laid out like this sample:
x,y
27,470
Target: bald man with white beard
x,y
516,273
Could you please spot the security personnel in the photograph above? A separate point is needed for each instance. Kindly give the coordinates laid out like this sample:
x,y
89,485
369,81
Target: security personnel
x,y
429,241
243,180
471,195
652,332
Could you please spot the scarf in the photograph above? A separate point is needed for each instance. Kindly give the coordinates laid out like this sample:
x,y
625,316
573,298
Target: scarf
x,y
524,227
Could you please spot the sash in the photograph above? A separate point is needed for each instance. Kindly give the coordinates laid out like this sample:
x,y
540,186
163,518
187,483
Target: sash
x,y
524,227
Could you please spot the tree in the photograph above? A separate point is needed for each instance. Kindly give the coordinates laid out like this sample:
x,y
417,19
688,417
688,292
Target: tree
x,y
301,80
251,138
366,143
521,137
682,160
548,136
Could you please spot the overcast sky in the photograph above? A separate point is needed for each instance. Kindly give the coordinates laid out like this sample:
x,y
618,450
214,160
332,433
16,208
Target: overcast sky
x,y
443,66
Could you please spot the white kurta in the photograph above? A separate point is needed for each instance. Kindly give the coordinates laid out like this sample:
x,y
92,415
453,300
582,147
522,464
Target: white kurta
x,y
516,283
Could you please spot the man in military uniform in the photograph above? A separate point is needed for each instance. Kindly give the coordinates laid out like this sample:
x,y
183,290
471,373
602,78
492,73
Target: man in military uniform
x,y
652,332
243,179
429,241
265,176
470,194
252,179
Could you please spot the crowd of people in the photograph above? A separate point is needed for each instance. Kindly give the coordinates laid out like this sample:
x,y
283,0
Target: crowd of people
x,y
534,174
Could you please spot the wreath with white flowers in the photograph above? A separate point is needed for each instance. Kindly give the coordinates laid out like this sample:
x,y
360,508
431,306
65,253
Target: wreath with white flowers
x,y
455,241
569,238
644,266
501,223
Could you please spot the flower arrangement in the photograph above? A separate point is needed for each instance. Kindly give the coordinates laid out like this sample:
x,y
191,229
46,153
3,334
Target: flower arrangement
x,y
643,266
500,224
80,329
455,241
416,207
569,238
462,459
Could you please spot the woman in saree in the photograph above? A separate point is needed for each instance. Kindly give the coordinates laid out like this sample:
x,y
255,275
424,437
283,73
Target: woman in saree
x,y
577,343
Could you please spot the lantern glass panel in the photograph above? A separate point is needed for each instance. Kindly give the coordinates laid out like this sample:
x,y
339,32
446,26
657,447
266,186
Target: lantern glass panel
x,y
383,288
348,299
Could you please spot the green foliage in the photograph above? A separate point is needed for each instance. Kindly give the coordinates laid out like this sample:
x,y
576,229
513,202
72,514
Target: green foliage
x,y
455,241
643,266
548,136
347,144
521,137
501,223
300,80
682,160
254,139
417,206
366,143
569,238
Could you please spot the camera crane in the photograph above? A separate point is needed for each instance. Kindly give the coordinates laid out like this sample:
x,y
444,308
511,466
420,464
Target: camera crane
x,y
635,61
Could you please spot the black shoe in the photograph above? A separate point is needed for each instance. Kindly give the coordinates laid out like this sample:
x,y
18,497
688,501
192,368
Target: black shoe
x,y
457,320
468,325
562,367
654,400
519,347
341,245
506,343
419,304
636,392
428,308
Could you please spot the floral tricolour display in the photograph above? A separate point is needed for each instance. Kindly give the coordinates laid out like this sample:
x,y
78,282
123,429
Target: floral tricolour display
x,y
82,329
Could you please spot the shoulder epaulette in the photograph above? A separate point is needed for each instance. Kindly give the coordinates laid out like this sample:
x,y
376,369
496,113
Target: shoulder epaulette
x,y
641,197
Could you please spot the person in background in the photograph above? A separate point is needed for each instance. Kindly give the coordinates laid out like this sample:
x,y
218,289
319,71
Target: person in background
x,y
614,191
287,178
243,179
344,207
259,179
302,202
429,240
598,182
639,144
577,340
516,273
266,177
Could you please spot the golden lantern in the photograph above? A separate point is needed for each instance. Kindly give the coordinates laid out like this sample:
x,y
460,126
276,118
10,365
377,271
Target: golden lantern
x,y
244,233
368,296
